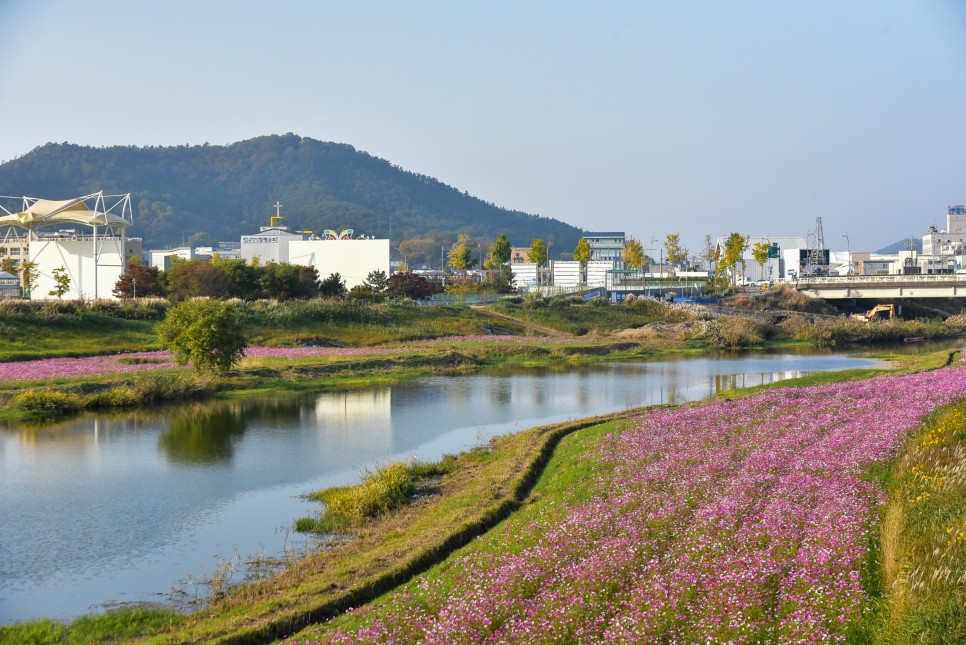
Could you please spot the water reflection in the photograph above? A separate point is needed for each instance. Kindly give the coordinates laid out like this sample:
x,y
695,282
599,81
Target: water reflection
x,y
201,435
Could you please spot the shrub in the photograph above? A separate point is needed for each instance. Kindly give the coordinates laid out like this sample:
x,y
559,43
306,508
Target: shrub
x,y
737,331
732,332
48,401
205,333
534,300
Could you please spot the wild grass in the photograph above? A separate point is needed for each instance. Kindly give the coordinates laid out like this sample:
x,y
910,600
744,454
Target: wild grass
x,y
51,401
110,627
923,538
383,489
573,316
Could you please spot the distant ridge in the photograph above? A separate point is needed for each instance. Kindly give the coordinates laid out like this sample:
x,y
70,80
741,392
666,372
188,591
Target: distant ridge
x,y
199,193
901,246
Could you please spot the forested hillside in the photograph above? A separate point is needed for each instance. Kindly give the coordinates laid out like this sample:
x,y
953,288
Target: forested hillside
x,y
197,193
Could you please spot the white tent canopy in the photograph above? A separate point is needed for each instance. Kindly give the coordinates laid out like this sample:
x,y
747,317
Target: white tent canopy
x,y
95,210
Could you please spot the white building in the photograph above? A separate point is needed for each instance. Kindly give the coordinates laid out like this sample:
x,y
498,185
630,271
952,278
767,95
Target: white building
x,y
524,274
162,260
951,240
92,261
270,245
93,265
353,260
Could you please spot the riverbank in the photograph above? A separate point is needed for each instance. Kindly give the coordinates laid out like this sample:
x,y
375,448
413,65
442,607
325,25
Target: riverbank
x,y
770,530
487,484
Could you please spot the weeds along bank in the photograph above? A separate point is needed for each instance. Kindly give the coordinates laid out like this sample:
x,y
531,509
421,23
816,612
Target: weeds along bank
x,y
751,520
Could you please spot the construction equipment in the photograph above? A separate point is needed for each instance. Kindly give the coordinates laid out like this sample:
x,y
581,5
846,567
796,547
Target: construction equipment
x,y
873,314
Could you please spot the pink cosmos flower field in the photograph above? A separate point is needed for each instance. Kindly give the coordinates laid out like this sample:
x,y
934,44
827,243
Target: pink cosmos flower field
x,y
741,521
143,361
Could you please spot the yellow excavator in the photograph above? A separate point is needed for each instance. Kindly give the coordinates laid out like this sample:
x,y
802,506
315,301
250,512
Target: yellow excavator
x,y
873,314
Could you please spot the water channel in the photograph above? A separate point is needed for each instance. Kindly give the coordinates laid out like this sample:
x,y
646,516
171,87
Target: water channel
x,y
106,510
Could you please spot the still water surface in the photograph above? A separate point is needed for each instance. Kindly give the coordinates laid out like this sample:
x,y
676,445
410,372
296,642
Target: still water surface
x,y
107,510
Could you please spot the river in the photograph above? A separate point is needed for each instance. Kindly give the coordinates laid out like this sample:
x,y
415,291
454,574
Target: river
x,y
107,510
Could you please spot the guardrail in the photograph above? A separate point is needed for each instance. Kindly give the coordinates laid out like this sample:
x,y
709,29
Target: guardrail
x,y
941,278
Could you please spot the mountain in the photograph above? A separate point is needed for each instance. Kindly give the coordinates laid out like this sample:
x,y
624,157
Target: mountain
x,y
218,193
902,245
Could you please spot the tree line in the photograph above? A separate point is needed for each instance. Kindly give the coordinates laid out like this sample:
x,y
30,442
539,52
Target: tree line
x,y
223,278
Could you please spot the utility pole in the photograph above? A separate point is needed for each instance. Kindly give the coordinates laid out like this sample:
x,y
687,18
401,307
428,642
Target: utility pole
x,y
848,248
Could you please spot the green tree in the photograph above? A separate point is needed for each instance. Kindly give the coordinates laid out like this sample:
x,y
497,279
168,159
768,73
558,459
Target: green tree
x,y
205,333
500,250
333,287
461,254
633,253
582,251
28,275
378,281
760,252
734,250
8,265
244,277
675,252
287,281
710,252
61,282
538,252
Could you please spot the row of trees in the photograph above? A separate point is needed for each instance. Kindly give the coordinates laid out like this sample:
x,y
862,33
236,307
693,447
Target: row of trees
x,y
231,278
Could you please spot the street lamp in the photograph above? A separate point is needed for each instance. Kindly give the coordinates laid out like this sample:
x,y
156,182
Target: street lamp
x,y
848,247
809,255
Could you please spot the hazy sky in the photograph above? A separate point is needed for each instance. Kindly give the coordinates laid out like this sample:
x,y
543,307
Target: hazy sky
x,y
651,117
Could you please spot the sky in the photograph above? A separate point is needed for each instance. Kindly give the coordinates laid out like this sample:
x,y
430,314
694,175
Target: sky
x,y
681,116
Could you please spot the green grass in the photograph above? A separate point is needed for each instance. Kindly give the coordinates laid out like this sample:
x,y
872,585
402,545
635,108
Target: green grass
x,y
88,334
922,583
365,325
600,316
104,628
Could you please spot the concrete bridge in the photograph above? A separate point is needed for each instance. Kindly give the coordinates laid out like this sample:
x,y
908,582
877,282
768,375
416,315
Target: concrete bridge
x,y
883,287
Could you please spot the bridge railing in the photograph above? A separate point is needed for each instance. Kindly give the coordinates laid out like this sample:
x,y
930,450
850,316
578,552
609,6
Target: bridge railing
x,y
837,281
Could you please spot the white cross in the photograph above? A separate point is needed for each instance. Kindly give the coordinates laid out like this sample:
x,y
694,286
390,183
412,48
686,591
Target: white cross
x,y
278,209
